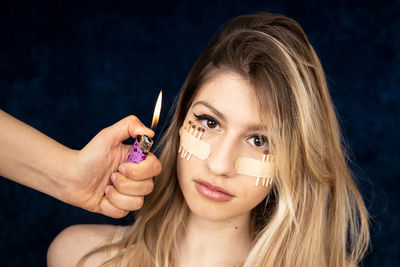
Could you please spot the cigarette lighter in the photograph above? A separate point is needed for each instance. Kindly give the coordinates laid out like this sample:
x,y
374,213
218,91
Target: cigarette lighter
x,y
143,143
140,149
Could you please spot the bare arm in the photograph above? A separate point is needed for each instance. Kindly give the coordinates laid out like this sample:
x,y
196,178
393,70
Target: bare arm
x,y
33,159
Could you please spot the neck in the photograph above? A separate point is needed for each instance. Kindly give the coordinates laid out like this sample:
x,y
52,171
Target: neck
x,y
210,243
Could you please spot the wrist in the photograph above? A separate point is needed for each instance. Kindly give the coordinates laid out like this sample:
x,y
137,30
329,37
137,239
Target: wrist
x,y
66,177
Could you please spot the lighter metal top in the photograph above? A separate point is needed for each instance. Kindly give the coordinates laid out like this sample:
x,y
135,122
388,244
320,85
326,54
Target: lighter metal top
x,y
145,143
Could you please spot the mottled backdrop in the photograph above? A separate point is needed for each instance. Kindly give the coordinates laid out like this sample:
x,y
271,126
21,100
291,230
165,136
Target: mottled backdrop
x,y
71,68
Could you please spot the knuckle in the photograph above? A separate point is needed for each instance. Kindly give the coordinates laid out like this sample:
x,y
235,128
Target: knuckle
x,y
110,194
134,176
131,171
121,185
133,118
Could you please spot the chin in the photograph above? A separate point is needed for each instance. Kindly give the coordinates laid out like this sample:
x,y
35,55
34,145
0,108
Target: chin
x,y
212,216
212,211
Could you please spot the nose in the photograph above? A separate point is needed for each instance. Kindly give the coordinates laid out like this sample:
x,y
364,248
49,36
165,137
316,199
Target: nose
x,y
221,161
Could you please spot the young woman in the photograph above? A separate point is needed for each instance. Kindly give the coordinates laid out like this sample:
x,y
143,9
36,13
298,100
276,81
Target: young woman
x,y
257,90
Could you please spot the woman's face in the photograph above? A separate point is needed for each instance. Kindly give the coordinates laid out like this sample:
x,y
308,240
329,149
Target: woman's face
x,y
226,108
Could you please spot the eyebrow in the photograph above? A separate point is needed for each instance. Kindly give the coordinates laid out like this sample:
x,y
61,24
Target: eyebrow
x,y
250,127
208,105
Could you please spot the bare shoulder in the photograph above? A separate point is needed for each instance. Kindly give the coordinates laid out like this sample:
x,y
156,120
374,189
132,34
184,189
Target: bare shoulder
x,y
77,240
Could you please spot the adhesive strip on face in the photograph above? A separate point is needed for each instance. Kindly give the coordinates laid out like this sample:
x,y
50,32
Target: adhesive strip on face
x,y
254,167
193,145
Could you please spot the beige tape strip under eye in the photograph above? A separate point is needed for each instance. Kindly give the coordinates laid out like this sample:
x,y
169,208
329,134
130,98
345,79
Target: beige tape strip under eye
x,y
254,167
245,166
193,145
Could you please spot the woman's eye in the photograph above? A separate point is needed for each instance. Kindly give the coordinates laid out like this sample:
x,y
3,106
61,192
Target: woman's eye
x,y
211,123
207,121
258,141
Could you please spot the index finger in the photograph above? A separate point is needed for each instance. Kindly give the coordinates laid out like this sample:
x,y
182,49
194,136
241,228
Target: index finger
x,y
143,170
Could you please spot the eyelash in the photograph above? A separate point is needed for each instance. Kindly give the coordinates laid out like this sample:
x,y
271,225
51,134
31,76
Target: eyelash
x,y
205,118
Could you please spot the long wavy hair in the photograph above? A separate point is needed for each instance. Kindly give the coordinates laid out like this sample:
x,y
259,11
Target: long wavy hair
x,y
314,214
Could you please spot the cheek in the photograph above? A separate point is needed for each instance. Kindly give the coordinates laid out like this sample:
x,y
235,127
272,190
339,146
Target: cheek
x,y
182,166
185,171
252,195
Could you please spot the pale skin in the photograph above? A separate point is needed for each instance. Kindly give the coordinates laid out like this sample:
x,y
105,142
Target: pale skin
x,y
83,177
217,233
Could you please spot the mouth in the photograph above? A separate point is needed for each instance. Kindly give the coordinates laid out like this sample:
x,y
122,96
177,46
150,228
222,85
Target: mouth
x,y
213,192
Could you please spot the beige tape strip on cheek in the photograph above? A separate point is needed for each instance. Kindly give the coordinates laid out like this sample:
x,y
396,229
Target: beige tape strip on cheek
x,y
193,145
254,167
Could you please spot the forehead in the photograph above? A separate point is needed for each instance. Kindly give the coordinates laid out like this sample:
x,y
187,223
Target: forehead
x,y
232,95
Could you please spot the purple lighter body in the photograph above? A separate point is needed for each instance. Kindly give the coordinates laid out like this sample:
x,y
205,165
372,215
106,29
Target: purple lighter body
x,y
136,155
140,149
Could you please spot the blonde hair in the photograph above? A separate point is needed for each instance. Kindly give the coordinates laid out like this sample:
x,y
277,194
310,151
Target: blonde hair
x,y
314,215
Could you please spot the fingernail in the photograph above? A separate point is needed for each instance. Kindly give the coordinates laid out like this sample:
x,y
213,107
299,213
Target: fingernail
x,y
107,189
121,169
113,177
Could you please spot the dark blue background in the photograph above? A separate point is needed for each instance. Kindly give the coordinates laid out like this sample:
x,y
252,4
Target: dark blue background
x,y
71,69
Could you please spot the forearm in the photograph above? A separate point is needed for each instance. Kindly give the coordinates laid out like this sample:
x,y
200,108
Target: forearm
x,y
33,159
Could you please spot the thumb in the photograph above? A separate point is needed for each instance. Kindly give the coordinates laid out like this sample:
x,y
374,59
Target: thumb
x,y
130,126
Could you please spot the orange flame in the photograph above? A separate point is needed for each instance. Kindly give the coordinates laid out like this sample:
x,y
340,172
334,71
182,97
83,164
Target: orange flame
x,y
157,110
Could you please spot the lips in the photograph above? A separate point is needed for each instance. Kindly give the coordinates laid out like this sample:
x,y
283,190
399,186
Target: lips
x,y
213,192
